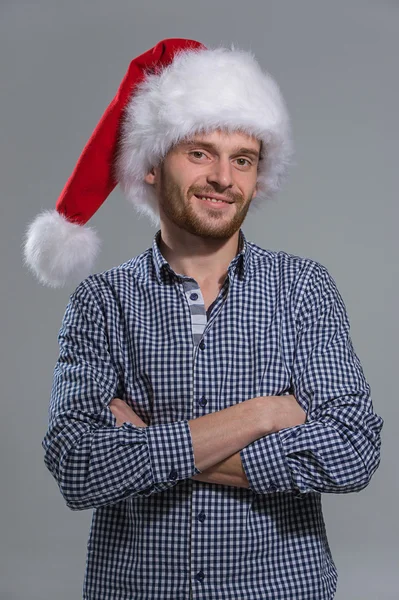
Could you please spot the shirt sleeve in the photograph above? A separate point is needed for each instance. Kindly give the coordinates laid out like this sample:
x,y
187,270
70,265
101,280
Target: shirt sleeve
x,y
337,449
93,461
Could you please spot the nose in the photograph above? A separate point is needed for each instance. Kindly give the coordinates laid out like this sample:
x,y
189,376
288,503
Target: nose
x,y
220,174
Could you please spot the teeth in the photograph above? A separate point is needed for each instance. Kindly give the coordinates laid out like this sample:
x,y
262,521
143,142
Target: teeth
x,y
210,199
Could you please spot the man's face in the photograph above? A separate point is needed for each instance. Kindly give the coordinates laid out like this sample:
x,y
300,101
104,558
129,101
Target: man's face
x,y
219,164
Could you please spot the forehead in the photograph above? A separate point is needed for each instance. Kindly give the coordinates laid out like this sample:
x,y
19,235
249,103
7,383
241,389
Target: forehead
x,y
223,138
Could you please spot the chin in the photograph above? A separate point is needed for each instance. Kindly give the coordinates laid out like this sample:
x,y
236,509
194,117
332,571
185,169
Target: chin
x,y
203,229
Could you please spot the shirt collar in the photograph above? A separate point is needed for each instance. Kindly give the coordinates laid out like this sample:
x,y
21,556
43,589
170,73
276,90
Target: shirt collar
x,y
239,264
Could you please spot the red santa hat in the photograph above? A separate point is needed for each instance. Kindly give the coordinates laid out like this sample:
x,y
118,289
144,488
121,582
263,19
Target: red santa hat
x,y
174,90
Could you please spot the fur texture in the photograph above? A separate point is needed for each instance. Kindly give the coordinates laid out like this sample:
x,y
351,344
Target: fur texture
x,y
200,91
57,250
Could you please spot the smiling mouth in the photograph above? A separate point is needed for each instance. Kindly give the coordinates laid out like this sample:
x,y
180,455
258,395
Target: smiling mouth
x,y
213,201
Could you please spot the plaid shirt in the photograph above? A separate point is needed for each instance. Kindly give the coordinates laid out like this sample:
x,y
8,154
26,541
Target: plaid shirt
x,y
140,332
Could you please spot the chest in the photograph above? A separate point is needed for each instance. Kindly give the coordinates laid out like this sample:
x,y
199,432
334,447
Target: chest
x,y
244,351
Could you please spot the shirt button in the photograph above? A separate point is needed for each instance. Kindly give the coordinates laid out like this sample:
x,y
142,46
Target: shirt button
x,y
173,475
194,296
200,576
203,401
202,344
272,487
202,516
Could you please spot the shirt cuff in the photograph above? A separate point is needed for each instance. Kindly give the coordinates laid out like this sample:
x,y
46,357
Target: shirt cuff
x,y
266,466
171,452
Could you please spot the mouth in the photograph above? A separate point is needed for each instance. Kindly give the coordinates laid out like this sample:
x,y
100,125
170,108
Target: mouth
x,y
214,201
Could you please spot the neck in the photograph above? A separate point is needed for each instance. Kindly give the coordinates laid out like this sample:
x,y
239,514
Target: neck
x,y
204,259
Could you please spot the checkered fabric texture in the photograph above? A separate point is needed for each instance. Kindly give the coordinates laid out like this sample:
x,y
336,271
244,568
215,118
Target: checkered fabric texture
x,y
140,332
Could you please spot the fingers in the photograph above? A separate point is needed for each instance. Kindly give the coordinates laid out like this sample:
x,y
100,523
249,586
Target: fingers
x,y
121,411
117,402
124,414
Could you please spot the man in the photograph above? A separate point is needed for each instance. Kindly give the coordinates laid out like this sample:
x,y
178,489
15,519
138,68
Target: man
x,y
207,391
204,187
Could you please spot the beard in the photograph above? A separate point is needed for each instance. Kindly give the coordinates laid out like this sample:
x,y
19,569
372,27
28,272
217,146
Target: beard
x,y
208,223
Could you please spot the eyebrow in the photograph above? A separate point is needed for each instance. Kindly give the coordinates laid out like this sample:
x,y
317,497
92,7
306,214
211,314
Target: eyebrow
x,y
209,146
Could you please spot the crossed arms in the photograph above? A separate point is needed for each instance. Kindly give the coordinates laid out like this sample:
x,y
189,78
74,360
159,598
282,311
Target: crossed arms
x,y
95,462
218,437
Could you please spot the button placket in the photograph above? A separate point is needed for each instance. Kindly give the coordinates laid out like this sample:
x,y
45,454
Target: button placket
x,y
198,492
196,305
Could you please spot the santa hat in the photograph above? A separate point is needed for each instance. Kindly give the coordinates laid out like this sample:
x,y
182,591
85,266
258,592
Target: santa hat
x,y
170,92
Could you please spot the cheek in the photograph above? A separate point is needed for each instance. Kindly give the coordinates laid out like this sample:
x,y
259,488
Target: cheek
x,y
248,185
184,178
179,179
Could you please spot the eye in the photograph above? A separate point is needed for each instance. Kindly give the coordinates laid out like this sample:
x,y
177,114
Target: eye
x,y
248,162
197,152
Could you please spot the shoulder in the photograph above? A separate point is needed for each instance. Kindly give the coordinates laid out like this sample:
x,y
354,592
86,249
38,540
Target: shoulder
x,y
123,279
304,280
287,264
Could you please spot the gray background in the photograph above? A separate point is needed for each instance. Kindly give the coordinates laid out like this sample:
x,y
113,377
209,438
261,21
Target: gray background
x,y
337,65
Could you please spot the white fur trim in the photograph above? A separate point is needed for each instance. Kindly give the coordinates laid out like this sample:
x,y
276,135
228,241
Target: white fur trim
x,y
57,250
202,90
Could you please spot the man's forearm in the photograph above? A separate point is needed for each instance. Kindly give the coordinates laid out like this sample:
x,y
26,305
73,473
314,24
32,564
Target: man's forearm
x,y
227,472
230,471
219,435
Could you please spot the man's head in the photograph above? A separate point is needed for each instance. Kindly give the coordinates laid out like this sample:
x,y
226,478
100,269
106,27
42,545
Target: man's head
x,y
206,183
200,92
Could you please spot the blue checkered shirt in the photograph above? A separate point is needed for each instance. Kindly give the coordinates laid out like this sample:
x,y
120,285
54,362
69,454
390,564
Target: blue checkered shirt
x,y
140,332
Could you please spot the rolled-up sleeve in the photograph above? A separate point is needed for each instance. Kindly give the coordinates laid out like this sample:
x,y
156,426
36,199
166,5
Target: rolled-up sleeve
x,y
93,461
337,449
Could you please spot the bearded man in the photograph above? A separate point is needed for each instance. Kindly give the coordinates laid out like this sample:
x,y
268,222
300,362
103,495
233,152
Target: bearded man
x,y
207,392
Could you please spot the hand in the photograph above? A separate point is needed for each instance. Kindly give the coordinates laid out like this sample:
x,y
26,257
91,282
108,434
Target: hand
x,y
284,411
124,414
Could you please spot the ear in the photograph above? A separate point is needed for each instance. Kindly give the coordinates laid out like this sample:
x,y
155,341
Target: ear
x,y
254,193
150,177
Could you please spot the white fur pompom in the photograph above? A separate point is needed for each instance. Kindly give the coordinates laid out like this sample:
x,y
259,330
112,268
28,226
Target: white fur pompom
x,y
57,250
